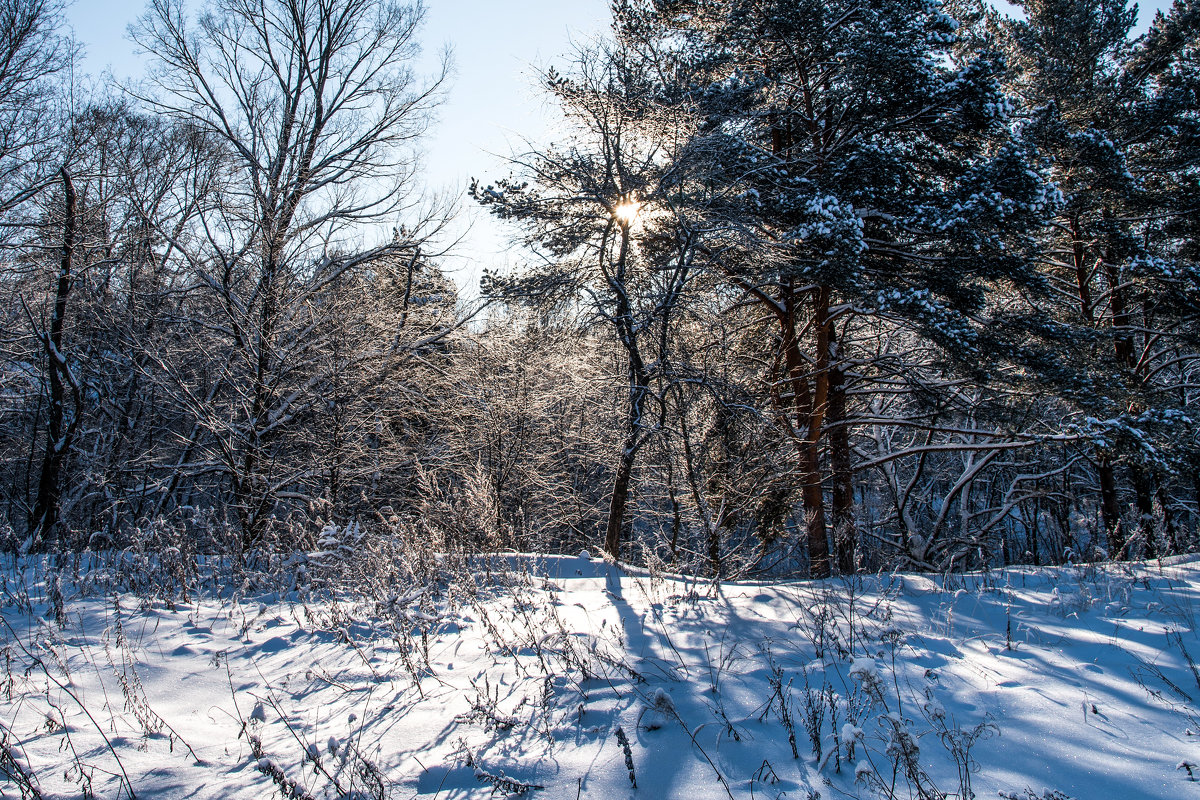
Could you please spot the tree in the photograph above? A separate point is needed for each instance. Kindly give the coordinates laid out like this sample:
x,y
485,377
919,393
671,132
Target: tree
x,y
32,157
33,54
316,108
110,281
382,348
845,163
594,210
529,430
1117,117
137,173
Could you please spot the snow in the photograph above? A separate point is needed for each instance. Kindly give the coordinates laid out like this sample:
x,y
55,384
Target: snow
x,y
1087,674
864,670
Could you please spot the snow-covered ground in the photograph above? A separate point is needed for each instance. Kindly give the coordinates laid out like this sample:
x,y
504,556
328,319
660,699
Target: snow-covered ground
x,y
564,677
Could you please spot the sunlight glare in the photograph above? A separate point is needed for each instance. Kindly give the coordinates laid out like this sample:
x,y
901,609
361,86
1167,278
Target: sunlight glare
x,y
626,211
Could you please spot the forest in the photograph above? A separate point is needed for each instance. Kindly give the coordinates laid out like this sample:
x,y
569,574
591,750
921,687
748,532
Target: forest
x,y
832,432
806,288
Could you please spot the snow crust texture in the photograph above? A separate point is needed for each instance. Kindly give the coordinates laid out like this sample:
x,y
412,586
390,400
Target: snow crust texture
x,y
568,677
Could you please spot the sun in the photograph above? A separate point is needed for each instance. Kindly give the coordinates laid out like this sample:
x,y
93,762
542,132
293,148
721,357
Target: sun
x,y
626,211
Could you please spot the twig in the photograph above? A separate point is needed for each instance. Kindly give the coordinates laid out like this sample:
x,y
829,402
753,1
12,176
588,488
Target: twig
x,y
67,691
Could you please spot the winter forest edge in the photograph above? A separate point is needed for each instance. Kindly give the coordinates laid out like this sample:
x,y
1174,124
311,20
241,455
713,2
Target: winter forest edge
x,y
902,296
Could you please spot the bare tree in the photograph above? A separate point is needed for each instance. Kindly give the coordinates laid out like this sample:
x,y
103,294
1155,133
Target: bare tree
x,y
33,54
32,154
317,108
591,207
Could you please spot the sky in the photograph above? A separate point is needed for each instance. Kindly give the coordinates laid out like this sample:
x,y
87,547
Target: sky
x,y
492,108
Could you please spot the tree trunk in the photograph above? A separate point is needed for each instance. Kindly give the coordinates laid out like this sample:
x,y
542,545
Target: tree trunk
x,y
1170,528
1110,510
44,522
803,408
845,534
814,510
251,482
714,551
620,496
1121,319
1143,488
639,390
1079,259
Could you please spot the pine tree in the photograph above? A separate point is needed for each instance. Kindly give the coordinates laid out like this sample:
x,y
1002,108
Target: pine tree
x,y
1116,118
845,163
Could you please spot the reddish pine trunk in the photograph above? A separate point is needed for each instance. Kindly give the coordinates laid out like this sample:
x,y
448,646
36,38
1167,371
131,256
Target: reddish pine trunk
x,y
1079,257
803,410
